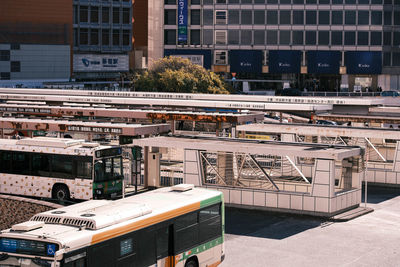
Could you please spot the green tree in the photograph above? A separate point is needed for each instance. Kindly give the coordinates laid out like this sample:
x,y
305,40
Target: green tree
x,y
176,74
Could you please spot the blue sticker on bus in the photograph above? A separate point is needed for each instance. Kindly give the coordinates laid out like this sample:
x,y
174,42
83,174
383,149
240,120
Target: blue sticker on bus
x,y
51,249
8,245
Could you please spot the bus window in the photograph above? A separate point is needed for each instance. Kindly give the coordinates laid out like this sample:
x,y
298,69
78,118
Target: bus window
x,y
62,166
5,162
186,232
162,242
40,165
99,171
117,167
84,169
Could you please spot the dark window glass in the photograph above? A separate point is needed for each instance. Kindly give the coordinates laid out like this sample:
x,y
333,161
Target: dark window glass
x,y
324,2
350,17
396,17
259,37
5,75
272,17
351,2
5,162
337,2
362,38
246,1
396,38
323,17
230,1
311,38
363,17
387,59
195,2
208,36
284,17
208,2
162,239
210,223
41,165
208,18
311,17
259,17
349,38
170,2
170,16
233,17
15,66
126,15
387,18
246,17
298,17
396,59
195,37
94,14
94,36
15,47
363,2
84,168
284,37
323,37
186,234
83,14
126,38
336,38
62,166
376,38
272,1
83,37
169,37
246,37
233,36
105,15
76,37
298,2
285,1
105,37
297,38
389,2
115,37
337,17
115,15
376,2
195,17
272,37
311,1
387,38
376,17
20,163
259,1
75,14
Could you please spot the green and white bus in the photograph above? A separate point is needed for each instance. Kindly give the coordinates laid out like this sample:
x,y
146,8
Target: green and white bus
x,y
178,226
60,168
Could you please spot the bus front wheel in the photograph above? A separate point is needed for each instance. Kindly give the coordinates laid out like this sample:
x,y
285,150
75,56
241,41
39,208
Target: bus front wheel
x,y
192,262
60,192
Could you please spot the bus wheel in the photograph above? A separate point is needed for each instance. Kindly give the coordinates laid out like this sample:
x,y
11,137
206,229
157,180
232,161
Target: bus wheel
x,y
60,192
192,262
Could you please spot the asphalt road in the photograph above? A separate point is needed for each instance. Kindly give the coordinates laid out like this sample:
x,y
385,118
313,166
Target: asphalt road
x,y
257,238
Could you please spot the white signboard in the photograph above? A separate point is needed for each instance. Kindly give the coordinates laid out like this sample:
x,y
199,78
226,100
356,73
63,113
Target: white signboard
x,y
93,62
195,59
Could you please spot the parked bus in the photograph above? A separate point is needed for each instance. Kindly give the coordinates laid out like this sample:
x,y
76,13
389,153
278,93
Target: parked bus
x,y
60,168
179,226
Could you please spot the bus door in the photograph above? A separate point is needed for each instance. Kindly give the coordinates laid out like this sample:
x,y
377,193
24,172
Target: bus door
x,y
165,246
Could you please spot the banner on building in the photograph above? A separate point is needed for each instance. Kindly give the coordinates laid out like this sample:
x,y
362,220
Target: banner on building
x,y
182,21
94,62
284,61
197,56
363,62
245,61
323,62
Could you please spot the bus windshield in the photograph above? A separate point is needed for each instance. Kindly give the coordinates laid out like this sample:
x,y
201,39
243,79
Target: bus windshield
x,y
11,261
107,169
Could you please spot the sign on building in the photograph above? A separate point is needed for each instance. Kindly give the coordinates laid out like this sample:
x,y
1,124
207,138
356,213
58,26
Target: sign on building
x,y
195,59
182,21
93,62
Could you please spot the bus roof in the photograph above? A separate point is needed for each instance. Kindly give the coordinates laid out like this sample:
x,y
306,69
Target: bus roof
x,y
105,219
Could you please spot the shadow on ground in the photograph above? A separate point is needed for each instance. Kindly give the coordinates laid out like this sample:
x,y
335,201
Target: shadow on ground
x,y
265,224
378,194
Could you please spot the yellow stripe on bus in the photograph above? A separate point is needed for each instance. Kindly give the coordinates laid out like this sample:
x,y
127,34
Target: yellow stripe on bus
x,y
144,223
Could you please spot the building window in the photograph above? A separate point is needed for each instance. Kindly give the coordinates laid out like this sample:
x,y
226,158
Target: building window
x,y
83,14
220,16
323,17
94,14
115,15
387,38
337,2
15,47
83,37
195,17
76,37
376,17
324,2
323,37
298,37
126,16
362,38
15,66
75,14
363,2
94,36
350,17
195,2
396,18
233,37
220,37
5,75
311,38
387,58
272,37
221,57
105,15
311,1
208,37
337,17
349,38
396,59
170,37
246,37
220,1
284,37
259,17
284,17
311,17
350,2
4,55
363,17
126,38
208,17
170,16
396,38
246,17
387,18
337,38
115,38
272,17
298,17
259,37
376,38
195,37
170,2
105,37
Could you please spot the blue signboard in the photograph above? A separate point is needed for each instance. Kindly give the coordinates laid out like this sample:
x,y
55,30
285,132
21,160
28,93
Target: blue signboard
x,y
182,21
360,62
206,55
245,61
323,62
284,61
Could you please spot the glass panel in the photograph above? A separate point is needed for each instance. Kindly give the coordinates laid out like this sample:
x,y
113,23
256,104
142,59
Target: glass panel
x,y
62,166
233,36
40,165
84,169
272,17
117,167
245,37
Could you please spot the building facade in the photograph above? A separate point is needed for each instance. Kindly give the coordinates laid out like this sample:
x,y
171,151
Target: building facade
x,y
327,45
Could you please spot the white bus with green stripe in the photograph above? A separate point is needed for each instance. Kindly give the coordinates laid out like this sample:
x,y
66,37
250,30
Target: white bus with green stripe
x,y
178,226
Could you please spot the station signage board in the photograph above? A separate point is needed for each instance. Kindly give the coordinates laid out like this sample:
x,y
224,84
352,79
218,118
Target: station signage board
x,y
100,62
89,129
195,59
